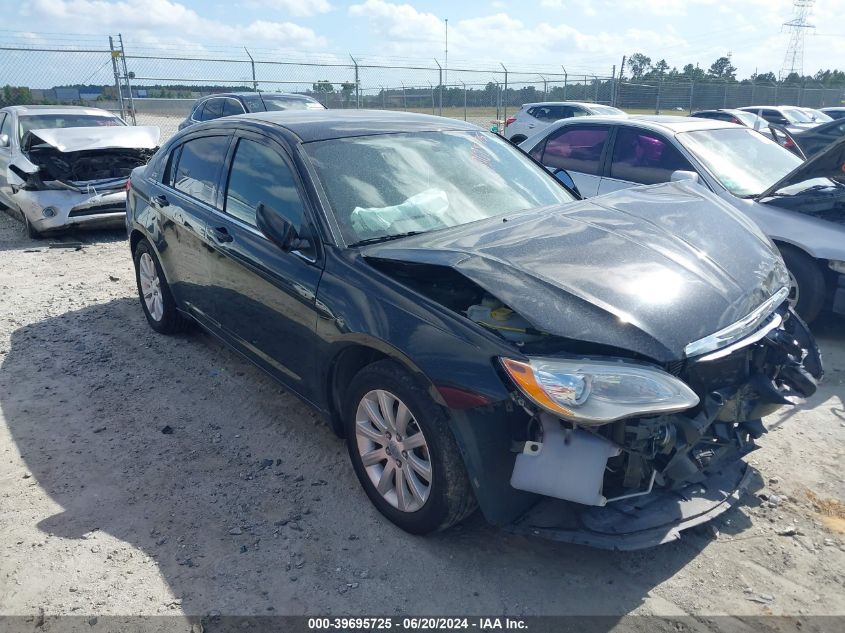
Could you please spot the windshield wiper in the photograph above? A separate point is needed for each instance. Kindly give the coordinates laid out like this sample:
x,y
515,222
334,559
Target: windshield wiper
x,y
384,238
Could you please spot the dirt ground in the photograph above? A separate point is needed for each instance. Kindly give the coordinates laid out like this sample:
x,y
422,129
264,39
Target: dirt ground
x,y
141,474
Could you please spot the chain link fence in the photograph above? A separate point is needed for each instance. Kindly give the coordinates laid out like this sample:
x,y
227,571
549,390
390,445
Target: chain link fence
x,y
159,87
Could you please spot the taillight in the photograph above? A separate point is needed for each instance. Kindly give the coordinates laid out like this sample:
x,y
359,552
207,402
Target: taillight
x,y
735,120
509,120
788,143
128,184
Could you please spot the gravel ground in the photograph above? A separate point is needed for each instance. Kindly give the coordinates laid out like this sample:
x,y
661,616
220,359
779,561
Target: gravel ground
x,y
141,474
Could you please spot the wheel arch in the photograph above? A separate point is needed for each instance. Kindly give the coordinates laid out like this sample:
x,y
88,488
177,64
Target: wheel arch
x,y
351,359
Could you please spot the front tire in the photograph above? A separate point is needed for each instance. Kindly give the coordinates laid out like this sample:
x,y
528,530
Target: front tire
x,y
403,450
807,285
156,299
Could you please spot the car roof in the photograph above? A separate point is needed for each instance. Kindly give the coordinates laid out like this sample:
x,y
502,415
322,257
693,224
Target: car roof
x,y
833,109
319,125
656,122
292,95
583,104
48,109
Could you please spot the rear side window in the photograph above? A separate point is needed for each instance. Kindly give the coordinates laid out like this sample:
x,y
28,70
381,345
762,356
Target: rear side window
x,y
212,109
6,124
260,175
576,149
194,169
644,158
232,107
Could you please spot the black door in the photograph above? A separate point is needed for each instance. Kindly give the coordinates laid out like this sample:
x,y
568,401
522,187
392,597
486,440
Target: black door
x,y
183,203
264,296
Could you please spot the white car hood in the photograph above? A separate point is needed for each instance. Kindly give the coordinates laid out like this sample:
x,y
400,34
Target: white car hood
x,y
78,139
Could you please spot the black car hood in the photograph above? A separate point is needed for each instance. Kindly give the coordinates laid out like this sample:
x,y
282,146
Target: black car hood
x,y
648,269
827,164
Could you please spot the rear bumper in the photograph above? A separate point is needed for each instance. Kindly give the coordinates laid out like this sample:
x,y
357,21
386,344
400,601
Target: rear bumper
x,y
71,208
640,522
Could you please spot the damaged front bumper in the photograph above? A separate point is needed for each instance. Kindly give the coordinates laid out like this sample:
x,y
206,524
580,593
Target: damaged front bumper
x,y
639,482
55,209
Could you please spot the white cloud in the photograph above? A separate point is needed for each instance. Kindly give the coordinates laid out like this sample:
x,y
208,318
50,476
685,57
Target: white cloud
x,y
163,18
297,8
551,4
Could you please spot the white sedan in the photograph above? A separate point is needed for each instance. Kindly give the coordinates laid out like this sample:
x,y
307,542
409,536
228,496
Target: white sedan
x,y
68,166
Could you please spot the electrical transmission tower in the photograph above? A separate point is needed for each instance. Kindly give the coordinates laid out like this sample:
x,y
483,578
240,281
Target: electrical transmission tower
x,y
793,61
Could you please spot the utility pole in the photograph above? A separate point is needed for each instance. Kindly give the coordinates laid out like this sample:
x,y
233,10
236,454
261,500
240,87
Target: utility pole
x,y
565,76
115,55
505,95
127,76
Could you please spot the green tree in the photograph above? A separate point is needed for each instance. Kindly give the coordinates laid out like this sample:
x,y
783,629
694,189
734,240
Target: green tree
x,y
639,65
722,69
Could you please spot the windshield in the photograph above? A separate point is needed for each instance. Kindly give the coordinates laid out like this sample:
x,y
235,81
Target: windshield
x,y
749,119
817,115
30,122
603,109
270,103
744,162
393,184
795,115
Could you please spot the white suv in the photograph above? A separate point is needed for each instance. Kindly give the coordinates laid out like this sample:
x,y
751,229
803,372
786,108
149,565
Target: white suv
x,y
534,117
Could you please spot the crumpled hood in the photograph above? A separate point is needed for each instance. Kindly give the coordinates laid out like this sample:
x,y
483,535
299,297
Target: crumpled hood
x,y
648,269
78,139
829,163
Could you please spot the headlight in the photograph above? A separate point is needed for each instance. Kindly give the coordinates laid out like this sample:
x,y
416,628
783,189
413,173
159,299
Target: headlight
x,y
838,266
594,392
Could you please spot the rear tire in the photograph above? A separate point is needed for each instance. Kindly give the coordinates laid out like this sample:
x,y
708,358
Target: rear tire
x,y
808,292
423,444
156,298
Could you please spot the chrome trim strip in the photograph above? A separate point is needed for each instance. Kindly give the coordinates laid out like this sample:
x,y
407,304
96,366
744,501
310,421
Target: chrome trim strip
x,y
773,324
738,330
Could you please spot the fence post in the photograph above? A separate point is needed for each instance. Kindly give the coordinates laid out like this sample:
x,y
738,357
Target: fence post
x,y
753,98
565,76
465,100
657,103
801,92
357,83
431,89
439,90
596,89
126,75
725,97
691,94
504,96
404,98
776,94
252,64
114,56
545,88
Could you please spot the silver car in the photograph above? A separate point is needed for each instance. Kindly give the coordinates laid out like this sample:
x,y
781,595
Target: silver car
x,y
800,206
532,118
68,166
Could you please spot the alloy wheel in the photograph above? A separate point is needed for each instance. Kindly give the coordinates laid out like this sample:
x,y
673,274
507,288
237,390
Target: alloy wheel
x,y
794,291
393,450
151,286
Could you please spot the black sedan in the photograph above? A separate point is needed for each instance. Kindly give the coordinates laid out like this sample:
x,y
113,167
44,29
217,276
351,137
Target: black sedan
x,y
807,143
590,371
234,103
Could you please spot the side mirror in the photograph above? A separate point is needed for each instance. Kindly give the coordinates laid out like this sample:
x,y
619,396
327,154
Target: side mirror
x,y
563,175
682,174
4,140
279,230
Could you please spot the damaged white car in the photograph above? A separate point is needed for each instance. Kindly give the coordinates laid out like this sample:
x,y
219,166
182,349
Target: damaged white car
x,y
67,166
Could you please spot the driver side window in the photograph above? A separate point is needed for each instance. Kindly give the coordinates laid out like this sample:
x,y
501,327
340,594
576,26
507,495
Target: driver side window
x,y
259,175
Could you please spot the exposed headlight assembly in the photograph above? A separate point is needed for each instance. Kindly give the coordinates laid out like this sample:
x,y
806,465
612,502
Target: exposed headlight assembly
x,y
595,392
838,266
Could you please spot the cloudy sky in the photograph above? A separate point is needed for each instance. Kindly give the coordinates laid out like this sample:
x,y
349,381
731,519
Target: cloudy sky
x,y
583,35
